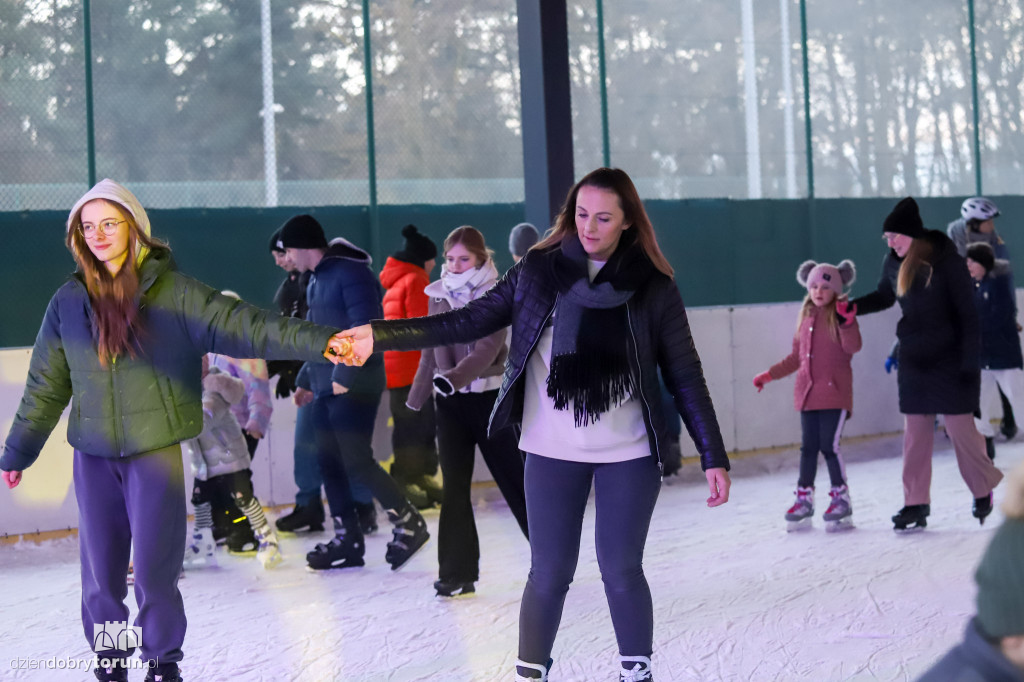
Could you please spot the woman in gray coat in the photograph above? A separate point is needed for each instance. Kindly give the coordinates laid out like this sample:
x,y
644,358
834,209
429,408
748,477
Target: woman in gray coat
x,y
123,340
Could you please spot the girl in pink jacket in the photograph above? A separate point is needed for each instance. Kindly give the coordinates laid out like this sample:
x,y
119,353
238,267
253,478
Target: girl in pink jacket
x,y
826,338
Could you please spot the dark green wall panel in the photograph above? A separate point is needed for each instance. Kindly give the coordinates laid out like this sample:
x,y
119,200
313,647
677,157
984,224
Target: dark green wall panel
x,y
724,252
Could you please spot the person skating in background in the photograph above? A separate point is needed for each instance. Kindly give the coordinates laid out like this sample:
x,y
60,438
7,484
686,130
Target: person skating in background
x,y
404,276
252,411
977,224
308,513
220,458
939,363
521,239
595,312
464,380
123,340
344,291
1002,366
993,646
827,336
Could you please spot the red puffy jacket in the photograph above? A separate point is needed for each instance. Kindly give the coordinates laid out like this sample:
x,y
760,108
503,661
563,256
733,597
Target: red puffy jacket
x,y
403,298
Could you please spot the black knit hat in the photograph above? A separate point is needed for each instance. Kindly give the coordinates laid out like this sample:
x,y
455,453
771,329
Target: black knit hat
x,y
302,232
982,254
418,248
905,219
274,242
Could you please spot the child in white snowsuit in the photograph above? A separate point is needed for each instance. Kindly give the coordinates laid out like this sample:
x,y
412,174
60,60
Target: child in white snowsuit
x,y
827,336
220,453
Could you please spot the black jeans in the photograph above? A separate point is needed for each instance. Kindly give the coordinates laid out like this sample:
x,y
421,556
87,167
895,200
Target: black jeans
x,y
556,497
461,427
821,432
344,436
413,438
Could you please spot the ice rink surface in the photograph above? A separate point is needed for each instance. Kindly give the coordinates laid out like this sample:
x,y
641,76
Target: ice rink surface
x,y
736,596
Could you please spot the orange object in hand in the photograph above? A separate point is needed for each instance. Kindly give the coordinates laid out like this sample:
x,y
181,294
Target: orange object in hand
x,y
346,349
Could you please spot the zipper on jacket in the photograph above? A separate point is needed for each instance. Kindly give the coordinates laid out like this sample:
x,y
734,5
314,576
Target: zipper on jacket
x,y
526,358
118,424
640,388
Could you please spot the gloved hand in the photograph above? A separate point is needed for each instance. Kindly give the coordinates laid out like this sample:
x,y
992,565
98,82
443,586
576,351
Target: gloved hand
x,y
12,478
285,385
847,313
761,379
891,363
443,386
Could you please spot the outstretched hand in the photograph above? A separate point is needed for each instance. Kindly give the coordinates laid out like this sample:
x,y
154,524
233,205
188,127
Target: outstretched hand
x,y
846,310
361,340
12,478
718,484
761,379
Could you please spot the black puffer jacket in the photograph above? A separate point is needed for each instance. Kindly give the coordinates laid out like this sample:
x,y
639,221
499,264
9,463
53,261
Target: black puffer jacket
x,y
525,298
939,335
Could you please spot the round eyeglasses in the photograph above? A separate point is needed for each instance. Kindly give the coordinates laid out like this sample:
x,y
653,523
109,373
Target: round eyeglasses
x,y
107,227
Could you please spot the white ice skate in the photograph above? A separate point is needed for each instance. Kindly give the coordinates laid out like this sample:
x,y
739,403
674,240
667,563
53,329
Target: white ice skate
x,y
268,553
839,515
199,552
800,515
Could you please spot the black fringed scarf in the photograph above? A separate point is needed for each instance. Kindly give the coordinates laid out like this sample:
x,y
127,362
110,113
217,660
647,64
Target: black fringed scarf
x,y
589,354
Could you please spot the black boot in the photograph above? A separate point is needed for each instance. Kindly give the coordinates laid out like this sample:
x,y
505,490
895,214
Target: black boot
x,y
117,672
915,514
410,534
990,447
242,540
367,517
303,519
344,551
167,672
453,588
982,507
430,486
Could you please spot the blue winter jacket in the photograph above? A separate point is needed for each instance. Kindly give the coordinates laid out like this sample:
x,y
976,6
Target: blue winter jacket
x,y
147,402
997,313
343,292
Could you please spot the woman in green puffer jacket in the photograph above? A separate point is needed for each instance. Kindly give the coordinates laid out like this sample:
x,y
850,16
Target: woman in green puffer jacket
x,y
123,340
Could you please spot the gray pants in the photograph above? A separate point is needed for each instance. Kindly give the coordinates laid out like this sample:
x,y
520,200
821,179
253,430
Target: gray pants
x,y
138,499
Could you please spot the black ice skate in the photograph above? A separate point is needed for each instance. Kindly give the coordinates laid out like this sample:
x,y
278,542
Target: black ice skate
x,y
839,515
990,447
303,519
982,507
531,672
344,551
410,534
798,517
453,588
117,672
913,515
242,539
164,673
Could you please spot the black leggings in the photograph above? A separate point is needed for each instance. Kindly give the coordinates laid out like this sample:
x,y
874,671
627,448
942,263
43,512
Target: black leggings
x,y
821,432
556,497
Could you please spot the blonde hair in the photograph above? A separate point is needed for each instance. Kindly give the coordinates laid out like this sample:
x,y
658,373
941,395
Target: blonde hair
x,y
617,181
831,316
918,256
115,309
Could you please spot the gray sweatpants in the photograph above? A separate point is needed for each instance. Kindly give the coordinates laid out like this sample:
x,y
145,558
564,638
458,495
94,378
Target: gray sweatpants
x,y
138,499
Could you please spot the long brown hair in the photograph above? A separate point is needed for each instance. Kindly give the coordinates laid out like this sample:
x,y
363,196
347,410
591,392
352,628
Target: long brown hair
x,y
114,301
918,256
472,239
617,181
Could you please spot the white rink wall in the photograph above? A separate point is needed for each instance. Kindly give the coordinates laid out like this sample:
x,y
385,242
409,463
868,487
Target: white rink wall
x,y
734,343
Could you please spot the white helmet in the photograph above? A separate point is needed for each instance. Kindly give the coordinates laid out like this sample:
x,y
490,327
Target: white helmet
x,y
978,208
